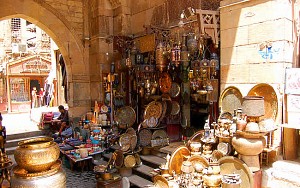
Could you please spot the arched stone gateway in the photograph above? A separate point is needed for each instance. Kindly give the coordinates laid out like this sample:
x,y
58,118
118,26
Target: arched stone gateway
x,y
66,36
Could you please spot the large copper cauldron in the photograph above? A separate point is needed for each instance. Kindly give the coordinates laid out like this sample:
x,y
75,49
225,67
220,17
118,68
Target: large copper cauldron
x,y
37,154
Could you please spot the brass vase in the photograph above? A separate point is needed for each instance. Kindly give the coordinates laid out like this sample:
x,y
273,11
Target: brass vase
x,y
37,154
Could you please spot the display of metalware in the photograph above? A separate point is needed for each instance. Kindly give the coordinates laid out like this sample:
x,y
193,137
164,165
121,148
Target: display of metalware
x,y
37,154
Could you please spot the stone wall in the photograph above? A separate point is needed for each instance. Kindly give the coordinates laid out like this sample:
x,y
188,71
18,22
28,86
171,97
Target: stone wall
x,y
72,11
257,44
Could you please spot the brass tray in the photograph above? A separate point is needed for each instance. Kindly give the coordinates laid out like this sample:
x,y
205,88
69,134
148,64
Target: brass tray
x,y
159,134
125,142
230,99
179,155
175,90
232,165
270,98
196,159
129,161
175,108
125,116
160,182
165,82
145,136
153,109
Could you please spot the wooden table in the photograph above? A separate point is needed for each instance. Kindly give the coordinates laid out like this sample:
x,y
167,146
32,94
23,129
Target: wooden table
x,y
81,162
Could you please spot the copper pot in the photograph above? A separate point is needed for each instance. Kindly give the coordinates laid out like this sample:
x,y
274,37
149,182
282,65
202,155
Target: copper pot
x,y
37,154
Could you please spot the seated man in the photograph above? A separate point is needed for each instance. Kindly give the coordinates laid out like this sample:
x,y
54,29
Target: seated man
x,y
63,122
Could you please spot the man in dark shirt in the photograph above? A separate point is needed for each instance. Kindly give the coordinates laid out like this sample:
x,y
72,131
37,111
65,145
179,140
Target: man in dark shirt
x,y
63,121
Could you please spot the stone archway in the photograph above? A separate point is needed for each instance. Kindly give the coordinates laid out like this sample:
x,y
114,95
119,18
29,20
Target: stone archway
x,y
68,40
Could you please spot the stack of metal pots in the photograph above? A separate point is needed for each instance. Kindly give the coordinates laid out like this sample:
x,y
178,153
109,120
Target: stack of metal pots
x,y
38,165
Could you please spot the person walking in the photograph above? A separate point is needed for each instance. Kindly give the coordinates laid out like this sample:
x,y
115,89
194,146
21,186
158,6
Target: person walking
x,y
41,97
33,98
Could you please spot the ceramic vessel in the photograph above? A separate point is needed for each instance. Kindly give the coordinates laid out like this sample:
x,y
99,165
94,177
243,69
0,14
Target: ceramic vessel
x,y
57,180
37,154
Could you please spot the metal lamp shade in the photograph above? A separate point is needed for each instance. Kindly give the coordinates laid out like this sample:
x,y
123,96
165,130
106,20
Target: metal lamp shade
x,y
253,106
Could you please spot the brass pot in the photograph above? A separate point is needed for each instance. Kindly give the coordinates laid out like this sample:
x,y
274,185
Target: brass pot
x,y
57,180
37,154
248,146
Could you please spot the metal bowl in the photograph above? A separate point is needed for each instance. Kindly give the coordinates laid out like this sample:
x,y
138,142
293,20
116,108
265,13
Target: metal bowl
x,y
37,154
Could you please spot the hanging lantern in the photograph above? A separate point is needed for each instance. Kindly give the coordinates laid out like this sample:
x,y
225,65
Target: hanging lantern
x,y
160,58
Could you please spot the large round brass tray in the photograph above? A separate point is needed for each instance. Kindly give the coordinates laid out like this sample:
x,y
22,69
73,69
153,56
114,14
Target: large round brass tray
x,y
153,109
270,98
165,82
125,116
232,165
179,155
230,99
175,90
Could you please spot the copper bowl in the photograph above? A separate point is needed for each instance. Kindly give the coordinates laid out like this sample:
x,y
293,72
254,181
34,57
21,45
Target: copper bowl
x,y
37,154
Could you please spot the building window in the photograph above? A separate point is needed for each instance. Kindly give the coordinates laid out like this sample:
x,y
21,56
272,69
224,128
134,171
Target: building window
x,y
16,30
19,89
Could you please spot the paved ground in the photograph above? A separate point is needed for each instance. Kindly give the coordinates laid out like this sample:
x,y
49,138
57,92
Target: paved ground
x,y
18,123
